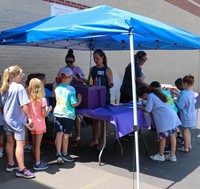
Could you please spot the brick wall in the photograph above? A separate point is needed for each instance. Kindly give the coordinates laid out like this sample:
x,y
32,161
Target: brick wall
x,y
187,6
69,3
163,66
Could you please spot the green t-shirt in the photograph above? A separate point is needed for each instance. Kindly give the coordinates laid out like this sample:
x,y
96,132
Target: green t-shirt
x,y
65,97
170,99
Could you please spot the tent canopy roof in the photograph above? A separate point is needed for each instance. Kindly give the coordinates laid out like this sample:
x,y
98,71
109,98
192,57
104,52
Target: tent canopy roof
x,y
102,27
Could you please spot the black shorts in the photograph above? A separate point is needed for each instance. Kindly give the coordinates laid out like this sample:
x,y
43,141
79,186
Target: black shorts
x,y
64,125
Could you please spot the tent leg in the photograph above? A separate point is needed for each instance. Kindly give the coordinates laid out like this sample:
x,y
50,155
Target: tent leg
x,y
135,118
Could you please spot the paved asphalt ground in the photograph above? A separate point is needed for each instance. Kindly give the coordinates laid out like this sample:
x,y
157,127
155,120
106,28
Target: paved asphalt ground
x,y
116,172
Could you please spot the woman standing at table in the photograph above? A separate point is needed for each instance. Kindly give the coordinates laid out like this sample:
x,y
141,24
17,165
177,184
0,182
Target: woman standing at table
x,y
78,78
103,74
126,88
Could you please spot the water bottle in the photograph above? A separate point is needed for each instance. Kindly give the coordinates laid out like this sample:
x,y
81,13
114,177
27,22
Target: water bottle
x,y
99,81
96,81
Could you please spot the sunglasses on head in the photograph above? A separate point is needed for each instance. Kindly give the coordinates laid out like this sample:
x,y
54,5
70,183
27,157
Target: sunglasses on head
x,y
70,62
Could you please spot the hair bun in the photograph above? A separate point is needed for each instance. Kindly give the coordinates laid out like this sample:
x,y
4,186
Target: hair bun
x,y
70,52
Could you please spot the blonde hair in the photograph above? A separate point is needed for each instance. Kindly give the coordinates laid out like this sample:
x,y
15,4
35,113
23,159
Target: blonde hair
x,y
36,90
9,74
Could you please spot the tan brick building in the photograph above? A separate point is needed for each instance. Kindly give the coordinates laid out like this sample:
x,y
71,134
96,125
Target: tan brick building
x,y
163,66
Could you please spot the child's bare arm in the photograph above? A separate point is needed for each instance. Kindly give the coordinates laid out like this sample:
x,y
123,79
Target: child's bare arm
x,y
142,108
28,115
79,99
46,110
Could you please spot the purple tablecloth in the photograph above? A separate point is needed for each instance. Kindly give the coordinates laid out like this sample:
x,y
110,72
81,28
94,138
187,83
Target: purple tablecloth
x,y
119,115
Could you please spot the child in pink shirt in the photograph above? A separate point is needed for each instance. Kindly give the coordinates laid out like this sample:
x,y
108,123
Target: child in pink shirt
x,y
39,110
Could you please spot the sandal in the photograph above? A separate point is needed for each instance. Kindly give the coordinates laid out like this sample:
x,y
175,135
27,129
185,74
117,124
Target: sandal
x,y
182,149
93,144
76,139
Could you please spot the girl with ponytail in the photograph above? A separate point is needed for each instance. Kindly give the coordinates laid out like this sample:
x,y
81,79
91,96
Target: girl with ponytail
x,y
16,113
166,120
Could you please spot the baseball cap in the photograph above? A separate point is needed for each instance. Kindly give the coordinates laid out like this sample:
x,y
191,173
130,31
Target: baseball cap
x,y
65,71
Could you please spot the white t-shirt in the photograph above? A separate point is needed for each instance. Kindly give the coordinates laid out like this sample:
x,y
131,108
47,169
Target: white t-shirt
x,y
164,116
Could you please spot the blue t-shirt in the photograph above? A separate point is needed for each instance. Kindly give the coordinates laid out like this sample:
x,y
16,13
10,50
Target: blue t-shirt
x,y
65,97
12,102
186,105
164,116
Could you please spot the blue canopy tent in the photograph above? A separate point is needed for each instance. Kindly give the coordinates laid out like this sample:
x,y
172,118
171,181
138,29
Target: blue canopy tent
x,y
106,28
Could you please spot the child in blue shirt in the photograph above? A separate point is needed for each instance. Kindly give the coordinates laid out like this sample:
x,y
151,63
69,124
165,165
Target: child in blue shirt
x,y
186,105
15,110
64,113
166,120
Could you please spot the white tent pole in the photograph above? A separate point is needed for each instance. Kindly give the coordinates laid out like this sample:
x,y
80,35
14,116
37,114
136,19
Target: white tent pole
x,y
135,118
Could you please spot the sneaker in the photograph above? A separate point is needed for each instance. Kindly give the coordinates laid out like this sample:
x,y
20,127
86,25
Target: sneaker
x,y
167,149
157,157
13,167
41,166
25,173
179,140
171,158
67,157
28,148
59,158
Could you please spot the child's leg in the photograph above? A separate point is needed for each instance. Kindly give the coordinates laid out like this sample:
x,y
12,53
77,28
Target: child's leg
x,y
162,143
26,137
172,139
38,139
33,144
1,141
10,148
77,125
189,139
58,142
65,142
186,138
19,153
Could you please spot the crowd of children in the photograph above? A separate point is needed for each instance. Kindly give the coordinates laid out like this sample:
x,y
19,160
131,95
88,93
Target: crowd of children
x,y
32,107
171,115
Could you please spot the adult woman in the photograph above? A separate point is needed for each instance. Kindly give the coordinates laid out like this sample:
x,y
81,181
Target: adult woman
x,y
78,75
104,73
126,88
78,78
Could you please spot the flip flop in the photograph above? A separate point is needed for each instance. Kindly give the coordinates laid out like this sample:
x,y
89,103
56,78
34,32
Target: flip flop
x,y
182,149
93,144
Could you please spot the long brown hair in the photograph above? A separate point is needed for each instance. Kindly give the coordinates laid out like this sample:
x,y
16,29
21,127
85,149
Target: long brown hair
x,y
101,54
142,90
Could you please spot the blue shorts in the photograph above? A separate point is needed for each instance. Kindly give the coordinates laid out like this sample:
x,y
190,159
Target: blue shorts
x,y
64,125
18,135
166,134
185,127
1,129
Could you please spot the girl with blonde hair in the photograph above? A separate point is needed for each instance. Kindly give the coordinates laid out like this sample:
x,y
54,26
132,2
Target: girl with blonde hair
x,y
15,110
39,110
